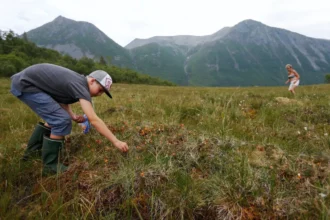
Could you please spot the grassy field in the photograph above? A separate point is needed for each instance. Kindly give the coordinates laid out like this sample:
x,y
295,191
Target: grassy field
x,y
195,153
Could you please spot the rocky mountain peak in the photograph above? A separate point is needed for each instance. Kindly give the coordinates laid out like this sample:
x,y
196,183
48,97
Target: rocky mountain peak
x,y
62,20
248,25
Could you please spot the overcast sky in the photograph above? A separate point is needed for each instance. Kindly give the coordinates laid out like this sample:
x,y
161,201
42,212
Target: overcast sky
x,y
125,20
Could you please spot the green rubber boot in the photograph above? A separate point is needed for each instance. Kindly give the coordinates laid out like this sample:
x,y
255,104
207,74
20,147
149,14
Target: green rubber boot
x,y
51,155
35,142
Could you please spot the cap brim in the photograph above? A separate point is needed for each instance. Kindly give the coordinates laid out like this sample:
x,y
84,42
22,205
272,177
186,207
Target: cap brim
x,y
106,91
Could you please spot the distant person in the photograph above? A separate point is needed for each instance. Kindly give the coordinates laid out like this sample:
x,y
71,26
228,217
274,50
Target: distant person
x,y
49,90
293,78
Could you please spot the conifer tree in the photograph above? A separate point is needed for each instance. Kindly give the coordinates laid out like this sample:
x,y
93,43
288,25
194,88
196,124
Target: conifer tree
x,y
25,37
102,61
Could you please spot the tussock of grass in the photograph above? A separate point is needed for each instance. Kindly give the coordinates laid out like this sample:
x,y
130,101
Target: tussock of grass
x,y
287,101
195,153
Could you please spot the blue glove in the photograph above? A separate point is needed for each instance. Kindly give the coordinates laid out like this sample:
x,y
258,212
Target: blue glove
x,y
85,125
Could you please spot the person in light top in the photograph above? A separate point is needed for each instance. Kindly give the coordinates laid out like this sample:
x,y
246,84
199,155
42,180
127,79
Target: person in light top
x,y
49,90
293,78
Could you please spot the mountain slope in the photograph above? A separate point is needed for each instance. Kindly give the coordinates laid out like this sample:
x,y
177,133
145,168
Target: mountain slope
x,y
166,62
255,54
182,40
79,39
250,53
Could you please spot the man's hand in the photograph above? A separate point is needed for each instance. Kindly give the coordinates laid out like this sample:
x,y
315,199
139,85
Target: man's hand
x,y
74,117
121,146
78,118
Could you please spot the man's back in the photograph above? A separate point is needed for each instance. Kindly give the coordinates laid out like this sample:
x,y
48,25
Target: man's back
x,y
64,85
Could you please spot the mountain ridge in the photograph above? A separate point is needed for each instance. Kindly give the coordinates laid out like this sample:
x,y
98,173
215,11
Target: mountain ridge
x,y
249,53
223,31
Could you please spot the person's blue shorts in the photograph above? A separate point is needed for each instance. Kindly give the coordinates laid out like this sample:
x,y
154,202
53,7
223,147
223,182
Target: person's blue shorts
x,y
48,109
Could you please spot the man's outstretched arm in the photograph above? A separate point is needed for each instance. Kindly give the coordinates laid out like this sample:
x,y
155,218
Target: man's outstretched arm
x,y
100,126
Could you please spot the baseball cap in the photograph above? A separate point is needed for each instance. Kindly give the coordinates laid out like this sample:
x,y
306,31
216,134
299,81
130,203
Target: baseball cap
x,y
104,79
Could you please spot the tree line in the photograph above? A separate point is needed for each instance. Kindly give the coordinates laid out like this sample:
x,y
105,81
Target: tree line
x,y
17,53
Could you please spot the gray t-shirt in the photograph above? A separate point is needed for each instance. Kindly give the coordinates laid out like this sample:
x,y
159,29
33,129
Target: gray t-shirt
x,y
63,85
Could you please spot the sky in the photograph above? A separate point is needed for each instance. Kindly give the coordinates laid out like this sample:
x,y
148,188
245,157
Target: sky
x,y
125,20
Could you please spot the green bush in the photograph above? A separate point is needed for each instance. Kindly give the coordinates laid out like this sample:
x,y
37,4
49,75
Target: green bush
x,y
327,78
10,64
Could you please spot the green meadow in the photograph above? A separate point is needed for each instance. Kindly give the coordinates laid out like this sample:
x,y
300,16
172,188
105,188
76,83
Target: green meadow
x,y
195,153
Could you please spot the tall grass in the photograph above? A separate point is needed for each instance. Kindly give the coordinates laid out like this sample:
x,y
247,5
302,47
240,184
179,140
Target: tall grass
x,y
195,153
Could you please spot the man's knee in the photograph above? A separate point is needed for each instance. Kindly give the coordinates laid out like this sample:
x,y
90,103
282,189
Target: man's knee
x,y
67,122
62,126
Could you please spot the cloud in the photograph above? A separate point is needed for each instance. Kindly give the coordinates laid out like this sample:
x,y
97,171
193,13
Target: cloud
x,y
126,20
23,17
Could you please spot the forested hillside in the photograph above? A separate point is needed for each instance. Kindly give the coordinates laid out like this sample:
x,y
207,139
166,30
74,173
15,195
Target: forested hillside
x,y
17,53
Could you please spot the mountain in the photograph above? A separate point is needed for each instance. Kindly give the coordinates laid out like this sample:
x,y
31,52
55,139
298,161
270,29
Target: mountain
x,y
184,40
165,57
79,39
249,53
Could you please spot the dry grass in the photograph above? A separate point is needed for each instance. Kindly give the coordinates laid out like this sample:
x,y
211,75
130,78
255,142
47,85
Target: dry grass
x,y
195,153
